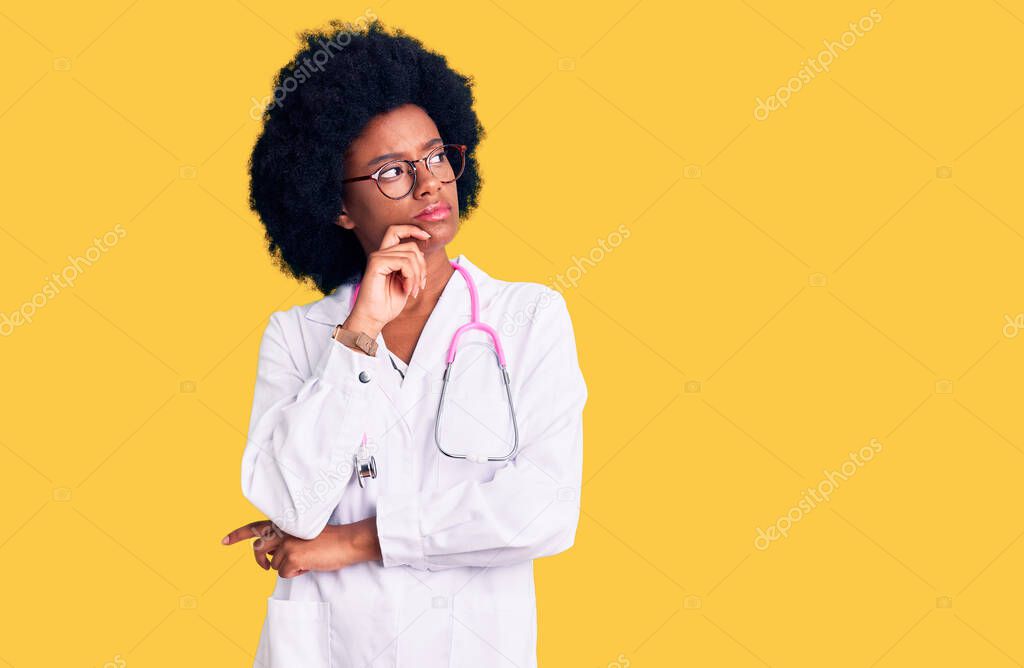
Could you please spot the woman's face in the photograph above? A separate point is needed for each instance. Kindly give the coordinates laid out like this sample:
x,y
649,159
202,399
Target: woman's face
x,y
404,133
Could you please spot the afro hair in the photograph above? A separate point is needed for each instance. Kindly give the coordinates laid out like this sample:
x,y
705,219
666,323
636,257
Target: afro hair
x,y
341,78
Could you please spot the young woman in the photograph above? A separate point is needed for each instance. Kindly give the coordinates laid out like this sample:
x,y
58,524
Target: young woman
x,y
406,500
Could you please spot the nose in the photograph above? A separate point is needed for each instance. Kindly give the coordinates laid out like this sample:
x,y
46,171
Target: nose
x,y
426,182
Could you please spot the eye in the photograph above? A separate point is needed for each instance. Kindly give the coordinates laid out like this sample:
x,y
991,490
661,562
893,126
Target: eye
x,y
392,172
437,158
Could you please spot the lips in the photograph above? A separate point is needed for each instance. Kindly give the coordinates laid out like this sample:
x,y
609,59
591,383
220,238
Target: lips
x,y
434,212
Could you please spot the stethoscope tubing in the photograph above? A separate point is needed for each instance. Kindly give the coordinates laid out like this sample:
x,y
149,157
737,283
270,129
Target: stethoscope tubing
x,y
366,466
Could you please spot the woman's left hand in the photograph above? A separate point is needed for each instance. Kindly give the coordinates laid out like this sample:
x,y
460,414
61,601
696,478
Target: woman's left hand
x,y
337,546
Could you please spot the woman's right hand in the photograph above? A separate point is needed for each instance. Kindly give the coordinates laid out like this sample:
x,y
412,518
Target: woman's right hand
x,y
394,272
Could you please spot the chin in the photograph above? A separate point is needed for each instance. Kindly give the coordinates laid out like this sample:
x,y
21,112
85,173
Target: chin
x,y
441,232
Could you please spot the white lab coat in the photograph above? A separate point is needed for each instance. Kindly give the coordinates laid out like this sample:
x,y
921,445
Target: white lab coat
x,y
455,587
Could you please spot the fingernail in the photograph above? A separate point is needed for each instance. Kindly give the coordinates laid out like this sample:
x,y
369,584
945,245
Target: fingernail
x,y
224,540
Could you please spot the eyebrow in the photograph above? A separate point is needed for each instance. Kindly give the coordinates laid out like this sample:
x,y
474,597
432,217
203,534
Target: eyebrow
x,y
388,156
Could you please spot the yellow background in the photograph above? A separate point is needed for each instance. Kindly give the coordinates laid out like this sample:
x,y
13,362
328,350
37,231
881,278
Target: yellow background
x,y
847,269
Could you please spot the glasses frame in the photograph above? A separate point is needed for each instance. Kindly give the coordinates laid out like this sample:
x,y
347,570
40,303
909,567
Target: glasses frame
x,y
375,176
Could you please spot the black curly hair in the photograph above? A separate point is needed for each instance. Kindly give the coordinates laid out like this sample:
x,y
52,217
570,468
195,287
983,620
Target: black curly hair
x,y
342,77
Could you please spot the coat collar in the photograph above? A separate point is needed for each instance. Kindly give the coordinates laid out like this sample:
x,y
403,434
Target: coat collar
x,y
451,311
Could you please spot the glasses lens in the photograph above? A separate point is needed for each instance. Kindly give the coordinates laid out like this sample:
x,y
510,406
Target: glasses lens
x,y
446,163
395,179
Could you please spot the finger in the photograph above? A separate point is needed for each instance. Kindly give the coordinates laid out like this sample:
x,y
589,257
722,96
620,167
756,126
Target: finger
x,y
417,266
387,262
287,569
390,262
250,530
405,267
412,251
408,251
409,246
421,269
394,234
261,559
269,535
260,553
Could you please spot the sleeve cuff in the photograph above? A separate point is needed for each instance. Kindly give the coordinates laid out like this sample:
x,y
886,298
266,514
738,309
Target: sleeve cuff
x,y
351,372
398,530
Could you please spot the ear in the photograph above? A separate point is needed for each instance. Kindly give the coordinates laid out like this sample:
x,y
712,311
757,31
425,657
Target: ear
x,y
345,221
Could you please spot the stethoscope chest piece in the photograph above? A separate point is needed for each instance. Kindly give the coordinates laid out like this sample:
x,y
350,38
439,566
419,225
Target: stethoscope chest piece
x,y
365,464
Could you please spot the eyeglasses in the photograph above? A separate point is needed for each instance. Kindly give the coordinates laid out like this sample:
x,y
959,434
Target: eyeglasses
x,y
396,179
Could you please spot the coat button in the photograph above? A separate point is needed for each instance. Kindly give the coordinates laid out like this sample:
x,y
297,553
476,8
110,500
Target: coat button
x,y
364,377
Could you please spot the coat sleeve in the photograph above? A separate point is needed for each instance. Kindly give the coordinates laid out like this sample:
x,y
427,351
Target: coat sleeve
x,y
303,431
530,508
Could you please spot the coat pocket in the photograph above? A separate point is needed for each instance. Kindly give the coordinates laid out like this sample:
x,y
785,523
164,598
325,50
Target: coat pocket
x,y
493,638
298,633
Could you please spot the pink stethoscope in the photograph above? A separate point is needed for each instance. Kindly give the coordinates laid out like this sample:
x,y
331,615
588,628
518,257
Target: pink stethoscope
x,y
366,467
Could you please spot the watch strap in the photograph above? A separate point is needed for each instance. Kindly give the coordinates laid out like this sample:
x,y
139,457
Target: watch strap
x,y
354,339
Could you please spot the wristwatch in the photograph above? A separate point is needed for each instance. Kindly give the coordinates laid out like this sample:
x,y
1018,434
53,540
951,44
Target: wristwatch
x,y
354,339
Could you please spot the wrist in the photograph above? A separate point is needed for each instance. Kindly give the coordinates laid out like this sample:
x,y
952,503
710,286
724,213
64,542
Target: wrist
x,y
363,542
359,323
